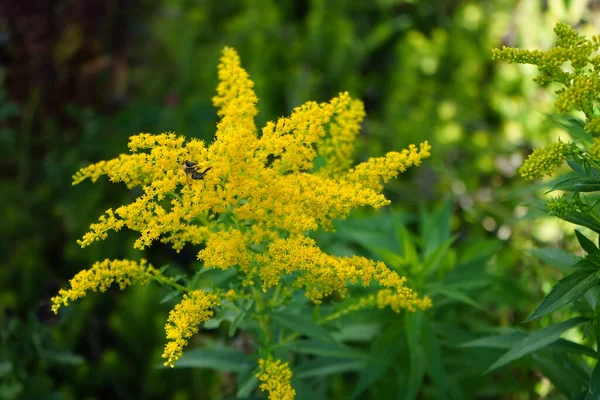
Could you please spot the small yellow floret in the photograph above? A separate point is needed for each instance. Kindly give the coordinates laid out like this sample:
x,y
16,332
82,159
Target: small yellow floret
x,y
184,319
276,377
101,276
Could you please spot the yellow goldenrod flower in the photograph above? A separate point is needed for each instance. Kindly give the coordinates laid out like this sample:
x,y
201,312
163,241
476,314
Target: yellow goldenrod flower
x,y
322,274
101,276
258,197
195,308
276,379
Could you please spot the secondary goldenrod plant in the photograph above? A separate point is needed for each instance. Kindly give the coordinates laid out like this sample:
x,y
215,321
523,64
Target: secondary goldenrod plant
x,y
249,202
573,63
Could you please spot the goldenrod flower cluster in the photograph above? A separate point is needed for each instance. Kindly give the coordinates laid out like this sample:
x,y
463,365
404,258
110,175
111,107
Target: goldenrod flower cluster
x,y
545,160
581,83
184,319
258,197
275,377
101,276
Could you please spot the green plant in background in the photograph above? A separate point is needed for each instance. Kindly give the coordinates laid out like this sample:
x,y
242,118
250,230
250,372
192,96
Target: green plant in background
x,y
421,355
251,200
572,367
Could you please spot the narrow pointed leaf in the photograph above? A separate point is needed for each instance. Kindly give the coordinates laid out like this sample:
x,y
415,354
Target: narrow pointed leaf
x,y
301,324
578,185
586,243
535,341
594,390
327,366
221,359
566,291
433,355
555,257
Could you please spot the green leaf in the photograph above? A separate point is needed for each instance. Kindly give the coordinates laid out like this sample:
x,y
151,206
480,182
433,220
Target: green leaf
x,y
326,349
558,258
413,323
456,295
432,262
536,341
433,355
435,227
566,346
220,359
406,244
381,356
63,357
497,341
583,220
364,332
170,296
327,366
594,389
562,371
301,324
566,291
578,185
586,243
247,387
240,317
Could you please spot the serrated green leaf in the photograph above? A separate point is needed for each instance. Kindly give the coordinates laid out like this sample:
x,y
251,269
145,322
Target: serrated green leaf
x,y
566,291
536,341
301,324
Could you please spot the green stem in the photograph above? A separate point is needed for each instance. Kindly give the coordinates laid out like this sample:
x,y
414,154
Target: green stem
x,y
263,319
171,282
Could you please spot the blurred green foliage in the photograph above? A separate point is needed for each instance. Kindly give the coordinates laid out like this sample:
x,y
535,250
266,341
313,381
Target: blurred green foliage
x,y
80,77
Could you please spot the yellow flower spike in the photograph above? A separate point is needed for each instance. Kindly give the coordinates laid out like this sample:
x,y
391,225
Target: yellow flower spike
x,y
322,274
275,377
101,276
375,171
252,208
184,319
337,147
